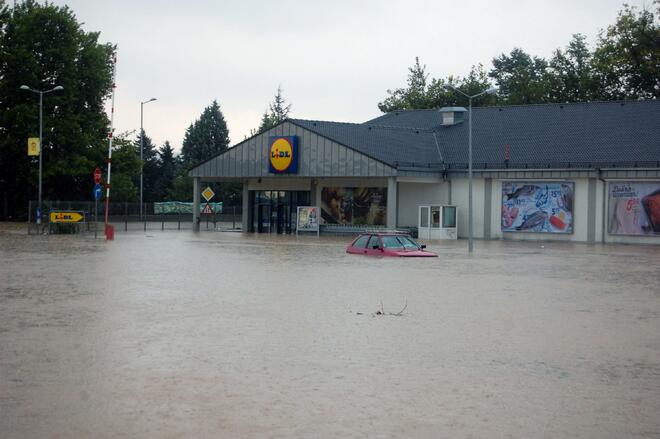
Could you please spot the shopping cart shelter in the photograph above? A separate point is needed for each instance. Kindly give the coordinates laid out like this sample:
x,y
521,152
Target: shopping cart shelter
x,y
586,172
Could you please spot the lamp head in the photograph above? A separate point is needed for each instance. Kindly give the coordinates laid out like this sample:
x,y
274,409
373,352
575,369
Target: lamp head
x,y
58,88
24,87
491,91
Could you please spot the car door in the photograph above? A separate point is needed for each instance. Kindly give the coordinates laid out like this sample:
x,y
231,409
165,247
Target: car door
x,y
374,241
359,246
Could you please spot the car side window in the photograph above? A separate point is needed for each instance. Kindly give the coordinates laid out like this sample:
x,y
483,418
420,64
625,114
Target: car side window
x,y
361,242
373,241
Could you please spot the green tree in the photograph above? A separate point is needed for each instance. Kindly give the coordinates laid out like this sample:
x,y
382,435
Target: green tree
x,y
521,78
166,171
414,96
207,137
125,166
627,57
277,112
150,170
182,185
424,93
571,76
43,46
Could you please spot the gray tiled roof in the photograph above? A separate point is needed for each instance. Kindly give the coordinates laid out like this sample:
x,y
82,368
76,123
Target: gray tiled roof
x,y
388,145
551,135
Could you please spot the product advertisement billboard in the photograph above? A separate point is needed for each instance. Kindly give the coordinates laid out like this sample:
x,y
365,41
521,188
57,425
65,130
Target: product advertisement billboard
x,y
308,219
545,207
634,208
354,205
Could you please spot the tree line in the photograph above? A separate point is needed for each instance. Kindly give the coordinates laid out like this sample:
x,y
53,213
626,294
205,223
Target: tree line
x,y
624,64
43,45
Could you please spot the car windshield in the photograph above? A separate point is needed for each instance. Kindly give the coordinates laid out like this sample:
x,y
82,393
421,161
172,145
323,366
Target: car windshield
x,y
399,242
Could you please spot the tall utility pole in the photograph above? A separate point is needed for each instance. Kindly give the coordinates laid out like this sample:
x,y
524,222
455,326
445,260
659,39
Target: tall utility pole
x,y
41,143
142,149
490,91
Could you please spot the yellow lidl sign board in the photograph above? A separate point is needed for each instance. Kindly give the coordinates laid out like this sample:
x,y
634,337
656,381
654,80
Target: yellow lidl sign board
x,y
33,146
208,194
283,155
66,217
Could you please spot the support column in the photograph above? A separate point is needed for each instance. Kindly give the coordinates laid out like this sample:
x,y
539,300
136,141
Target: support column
x,y
312,192
591,210
488,197
196,196
246,208
391,202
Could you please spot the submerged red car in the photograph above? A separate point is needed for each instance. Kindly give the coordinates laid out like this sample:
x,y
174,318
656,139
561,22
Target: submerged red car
x,y
387,244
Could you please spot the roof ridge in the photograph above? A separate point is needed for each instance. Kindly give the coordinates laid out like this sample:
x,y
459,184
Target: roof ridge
x,y
324,121
551,104
540,104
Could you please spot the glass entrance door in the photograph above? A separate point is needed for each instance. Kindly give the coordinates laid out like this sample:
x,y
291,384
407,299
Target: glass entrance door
x,y
275,211
263,218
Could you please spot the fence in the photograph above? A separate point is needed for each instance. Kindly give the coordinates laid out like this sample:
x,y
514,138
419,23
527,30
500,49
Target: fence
x,y
128,217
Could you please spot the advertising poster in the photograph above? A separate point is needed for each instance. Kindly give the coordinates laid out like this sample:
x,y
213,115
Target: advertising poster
x,y
354,205
634,208
308,219
545,207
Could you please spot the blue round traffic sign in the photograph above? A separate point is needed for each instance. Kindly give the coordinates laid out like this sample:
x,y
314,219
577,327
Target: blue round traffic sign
x,y
98,192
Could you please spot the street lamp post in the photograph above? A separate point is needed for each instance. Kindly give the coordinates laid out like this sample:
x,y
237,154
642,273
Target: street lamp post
x,y
490,91
41,146
142,149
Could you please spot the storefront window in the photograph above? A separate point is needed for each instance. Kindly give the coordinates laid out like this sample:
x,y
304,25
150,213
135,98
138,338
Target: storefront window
x,y
354,205
448,216
424,217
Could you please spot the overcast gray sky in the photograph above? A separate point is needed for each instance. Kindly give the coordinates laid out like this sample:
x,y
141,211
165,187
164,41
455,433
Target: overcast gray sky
x,y
334,59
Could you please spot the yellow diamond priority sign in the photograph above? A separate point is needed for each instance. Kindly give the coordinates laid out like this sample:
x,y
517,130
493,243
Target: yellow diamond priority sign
x,y
208,193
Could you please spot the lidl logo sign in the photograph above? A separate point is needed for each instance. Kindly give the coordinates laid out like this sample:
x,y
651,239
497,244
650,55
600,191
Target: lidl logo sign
x,y
283,155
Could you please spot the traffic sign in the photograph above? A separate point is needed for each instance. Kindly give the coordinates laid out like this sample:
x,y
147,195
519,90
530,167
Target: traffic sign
x,y
33,146
66,217
208,210
97,176
98,192
208,194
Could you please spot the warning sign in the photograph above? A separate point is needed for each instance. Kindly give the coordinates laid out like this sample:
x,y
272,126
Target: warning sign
x,y
208,210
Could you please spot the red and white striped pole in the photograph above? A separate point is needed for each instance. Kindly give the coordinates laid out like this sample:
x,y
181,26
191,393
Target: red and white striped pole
x,y
109,231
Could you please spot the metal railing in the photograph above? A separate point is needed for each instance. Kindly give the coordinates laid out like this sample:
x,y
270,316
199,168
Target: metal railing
x,y
126,217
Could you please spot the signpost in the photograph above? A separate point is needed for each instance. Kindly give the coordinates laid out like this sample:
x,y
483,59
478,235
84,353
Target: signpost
x,y
98,193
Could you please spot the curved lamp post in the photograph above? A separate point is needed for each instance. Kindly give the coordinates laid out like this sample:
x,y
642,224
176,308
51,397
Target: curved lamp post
x,y
41,147
490,91
142,148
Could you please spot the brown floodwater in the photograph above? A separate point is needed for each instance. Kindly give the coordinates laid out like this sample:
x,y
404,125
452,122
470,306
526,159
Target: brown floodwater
x,y
174,334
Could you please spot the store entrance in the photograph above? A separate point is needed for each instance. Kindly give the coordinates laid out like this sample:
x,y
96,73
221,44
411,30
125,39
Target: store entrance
x,y
275,211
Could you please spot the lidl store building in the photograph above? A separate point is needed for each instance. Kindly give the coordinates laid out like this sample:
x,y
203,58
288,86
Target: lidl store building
x,y
585,172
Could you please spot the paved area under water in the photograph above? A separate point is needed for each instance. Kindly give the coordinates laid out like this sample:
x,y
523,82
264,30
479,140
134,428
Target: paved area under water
x,y
172,334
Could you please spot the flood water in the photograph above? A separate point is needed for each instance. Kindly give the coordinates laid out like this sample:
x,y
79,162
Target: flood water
x,y
175,334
